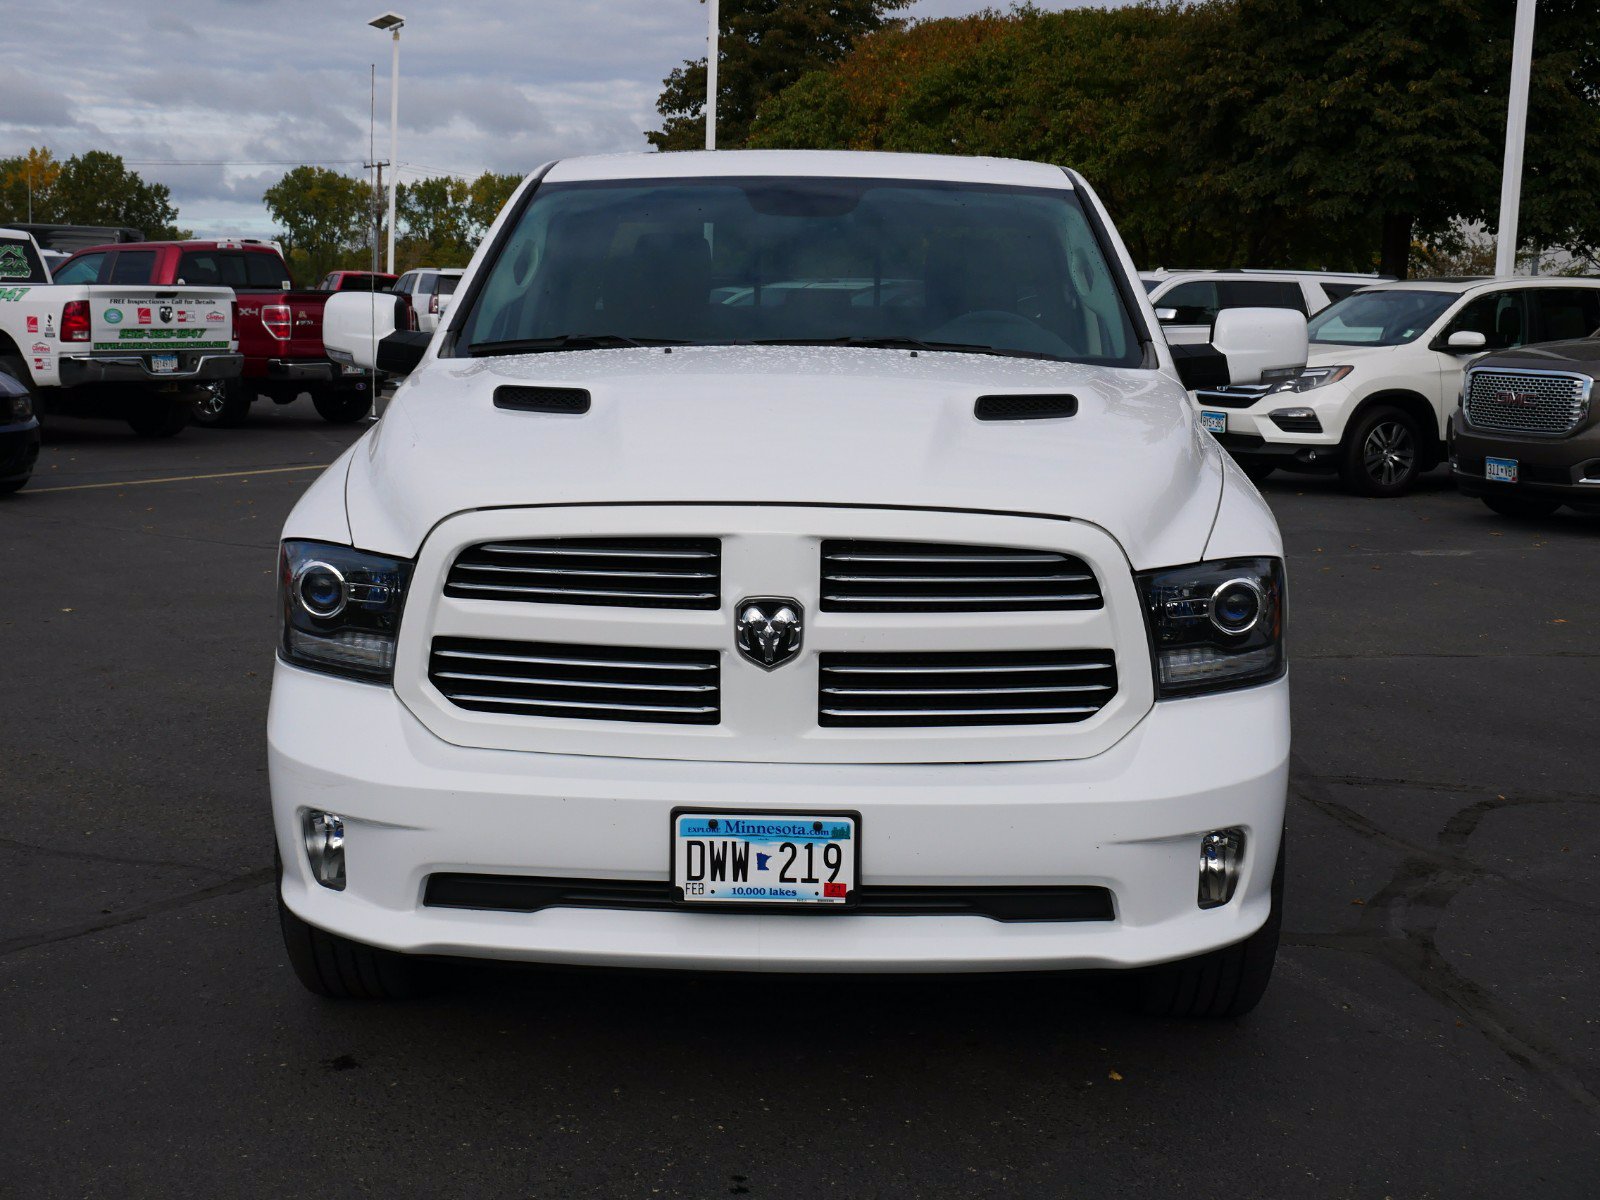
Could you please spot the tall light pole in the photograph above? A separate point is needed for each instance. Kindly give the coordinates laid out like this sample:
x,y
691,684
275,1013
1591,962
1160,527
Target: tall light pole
x,y
394,23
711,76
1505,257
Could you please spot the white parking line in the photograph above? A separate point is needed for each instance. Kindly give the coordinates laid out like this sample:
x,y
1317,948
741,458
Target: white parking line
x,y
83,487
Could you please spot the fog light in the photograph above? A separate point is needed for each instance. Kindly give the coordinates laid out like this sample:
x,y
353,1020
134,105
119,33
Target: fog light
x,y
324,833
1221,856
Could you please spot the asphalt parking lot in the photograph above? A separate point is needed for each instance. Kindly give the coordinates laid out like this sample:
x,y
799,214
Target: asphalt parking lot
x,y
1431,1030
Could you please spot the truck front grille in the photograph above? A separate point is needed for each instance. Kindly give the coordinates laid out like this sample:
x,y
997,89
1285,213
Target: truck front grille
x,y
630,572
596,683
1541,403
1017,687
911,577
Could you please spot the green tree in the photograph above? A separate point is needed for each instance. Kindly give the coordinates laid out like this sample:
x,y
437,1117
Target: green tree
x,y
95,188
437,222
489,193
763,47
27,185
326,220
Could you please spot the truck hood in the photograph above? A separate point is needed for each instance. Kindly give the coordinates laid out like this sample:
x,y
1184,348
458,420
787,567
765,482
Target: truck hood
x,y
790,425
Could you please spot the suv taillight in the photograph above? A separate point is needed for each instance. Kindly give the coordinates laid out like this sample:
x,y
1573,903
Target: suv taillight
x,y
433,305
277,320
411,316
75,321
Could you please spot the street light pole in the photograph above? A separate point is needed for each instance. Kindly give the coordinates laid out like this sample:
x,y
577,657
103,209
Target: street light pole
x,y
1505,259
394,23
711,75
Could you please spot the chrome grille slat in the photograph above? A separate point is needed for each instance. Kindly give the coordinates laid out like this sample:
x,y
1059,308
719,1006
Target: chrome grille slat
x,y
619,572
599,683
910,577
1535,403
943,688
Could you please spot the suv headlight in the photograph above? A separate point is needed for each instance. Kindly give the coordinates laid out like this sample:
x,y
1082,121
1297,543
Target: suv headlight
x,y
341,608
1214,625
1309,378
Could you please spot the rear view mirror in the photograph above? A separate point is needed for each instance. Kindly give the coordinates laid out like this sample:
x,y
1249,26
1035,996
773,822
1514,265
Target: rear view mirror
x,y
1259,340
354,324
1466,339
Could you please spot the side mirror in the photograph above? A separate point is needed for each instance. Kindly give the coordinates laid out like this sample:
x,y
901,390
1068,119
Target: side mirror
x,y
1166,315
1465,341
1259,340
356,324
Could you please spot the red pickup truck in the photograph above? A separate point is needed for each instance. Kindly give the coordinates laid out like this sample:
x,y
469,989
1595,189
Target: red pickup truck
x,y
279,329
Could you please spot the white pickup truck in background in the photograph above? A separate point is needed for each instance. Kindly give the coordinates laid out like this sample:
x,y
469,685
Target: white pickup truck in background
x,y
137,353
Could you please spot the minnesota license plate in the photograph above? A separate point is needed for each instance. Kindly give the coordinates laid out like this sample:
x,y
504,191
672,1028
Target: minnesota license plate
x,y
1500,470
1214,422
755,859
349,369
163,364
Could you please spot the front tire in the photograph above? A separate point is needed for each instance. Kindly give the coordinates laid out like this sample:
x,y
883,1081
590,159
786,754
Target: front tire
x,y
1224,983
1521,508
224,405
161,418
342,408
341,969
1382,453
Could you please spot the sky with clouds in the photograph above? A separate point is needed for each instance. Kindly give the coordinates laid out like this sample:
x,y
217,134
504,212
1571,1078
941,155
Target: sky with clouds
x,y
242,87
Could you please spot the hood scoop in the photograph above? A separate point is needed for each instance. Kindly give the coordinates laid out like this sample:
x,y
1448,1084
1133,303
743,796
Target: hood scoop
x,y
1046,407
568,401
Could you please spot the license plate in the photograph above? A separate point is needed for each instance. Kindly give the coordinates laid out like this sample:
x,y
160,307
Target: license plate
x,y
349,369
1500,470
770,859
1214,422
163,364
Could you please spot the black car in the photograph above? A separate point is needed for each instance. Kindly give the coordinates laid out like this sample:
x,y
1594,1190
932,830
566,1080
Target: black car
x,y
19,435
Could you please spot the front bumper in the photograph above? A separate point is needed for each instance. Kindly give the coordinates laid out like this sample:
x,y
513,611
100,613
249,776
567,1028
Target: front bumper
x,y
1129,819
19,449
203,368
1566,469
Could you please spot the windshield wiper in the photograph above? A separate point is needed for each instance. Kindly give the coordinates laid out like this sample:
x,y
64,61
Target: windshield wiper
x,y
904,343
565,341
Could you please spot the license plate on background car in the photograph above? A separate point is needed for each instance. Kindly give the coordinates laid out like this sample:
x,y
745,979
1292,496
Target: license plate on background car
x,y
1214,422
349,369
759,859
1500,470
163,364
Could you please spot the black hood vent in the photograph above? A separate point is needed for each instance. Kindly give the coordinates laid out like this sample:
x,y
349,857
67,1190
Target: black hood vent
x,y
571,401
1025,408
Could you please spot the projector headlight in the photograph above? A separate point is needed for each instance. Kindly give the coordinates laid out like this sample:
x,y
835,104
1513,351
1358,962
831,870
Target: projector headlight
x,y
1215,625
341,608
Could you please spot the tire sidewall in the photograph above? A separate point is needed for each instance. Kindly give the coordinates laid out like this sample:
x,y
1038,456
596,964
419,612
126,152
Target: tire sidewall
x,y
1353,467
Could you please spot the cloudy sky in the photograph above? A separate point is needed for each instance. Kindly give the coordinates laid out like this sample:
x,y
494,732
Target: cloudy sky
x,y
242,89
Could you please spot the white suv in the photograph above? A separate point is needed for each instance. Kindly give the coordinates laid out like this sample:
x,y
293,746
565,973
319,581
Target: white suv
x,y
678,614
1187,302
430,289
1384,375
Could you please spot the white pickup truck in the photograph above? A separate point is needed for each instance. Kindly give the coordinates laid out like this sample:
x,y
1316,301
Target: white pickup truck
x,y
137,353
787,561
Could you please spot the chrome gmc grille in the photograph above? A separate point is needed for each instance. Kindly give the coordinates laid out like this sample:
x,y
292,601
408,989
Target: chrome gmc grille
x,y
599,683
1018,687
1541,403
910,577
641,572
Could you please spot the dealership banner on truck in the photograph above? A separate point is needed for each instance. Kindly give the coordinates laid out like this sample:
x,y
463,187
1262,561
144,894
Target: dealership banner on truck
x,y
143,323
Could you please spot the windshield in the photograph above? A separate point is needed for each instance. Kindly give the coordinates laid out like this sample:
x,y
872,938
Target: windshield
x,y
1379,318
803,260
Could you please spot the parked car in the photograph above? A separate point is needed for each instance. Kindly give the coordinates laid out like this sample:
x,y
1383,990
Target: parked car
x,y
19,435
1187,302
1525,438
357,281
279,329
809,637
429,289
117,348
1385,370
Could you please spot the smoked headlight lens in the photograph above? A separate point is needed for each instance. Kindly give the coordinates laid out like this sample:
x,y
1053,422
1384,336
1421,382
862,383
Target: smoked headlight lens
x,y
1215,625
341,608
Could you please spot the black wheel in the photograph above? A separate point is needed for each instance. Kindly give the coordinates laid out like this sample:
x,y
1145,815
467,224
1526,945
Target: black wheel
x,y
1224,983
340,969
1521,508
1256,468
160,418
1381,454
342,408
223,405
